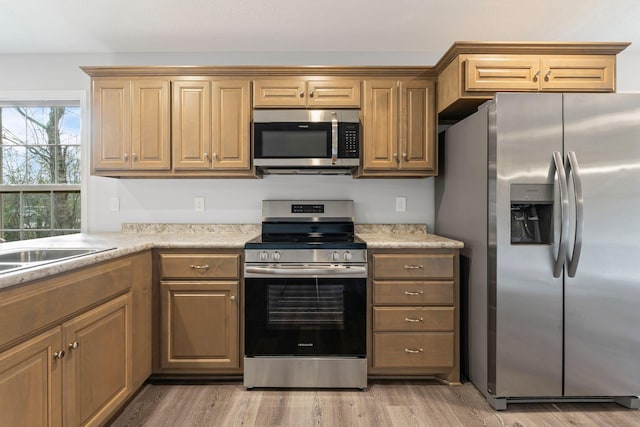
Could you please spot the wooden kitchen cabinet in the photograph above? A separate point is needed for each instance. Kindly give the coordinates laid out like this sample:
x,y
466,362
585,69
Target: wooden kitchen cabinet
x,y
300,93
415,313
398,128
31,382
97,365
199,312
66,345
211,125
471,73
130,125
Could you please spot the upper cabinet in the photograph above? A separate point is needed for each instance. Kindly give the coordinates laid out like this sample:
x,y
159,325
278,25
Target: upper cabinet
x,y
131,122
471,73
297,93
398,128
211,125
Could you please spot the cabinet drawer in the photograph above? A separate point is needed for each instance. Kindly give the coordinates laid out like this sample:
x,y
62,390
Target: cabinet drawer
x,y
413,319
412,292
408,350
413,266
198,266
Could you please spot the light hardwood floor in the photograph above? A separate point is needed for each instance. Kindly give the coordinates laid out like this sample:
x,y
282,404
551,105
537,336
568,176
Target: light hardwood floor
x,y
384,403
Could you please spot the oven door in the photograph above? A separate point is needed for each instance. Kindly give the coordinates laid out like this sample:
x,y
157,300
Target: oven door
x,y
305,316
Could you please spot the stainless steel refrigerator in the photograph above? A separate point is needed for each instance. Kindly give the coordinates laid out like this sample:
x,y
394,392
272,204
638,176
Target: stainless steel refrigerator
x,y
544,190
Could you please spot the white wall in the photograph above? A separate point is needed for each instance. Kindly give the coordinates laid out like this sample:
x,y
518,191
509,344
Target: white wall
x,y
238,201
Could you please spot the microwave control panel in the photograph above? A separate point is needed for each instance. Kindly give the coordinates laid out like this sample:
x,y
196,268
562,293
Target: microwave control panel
x,y
349,140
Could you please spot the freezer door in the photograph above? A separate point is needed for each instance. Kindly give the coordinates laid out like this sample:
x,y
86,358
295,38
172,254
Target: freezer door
x,y
602,313
525,299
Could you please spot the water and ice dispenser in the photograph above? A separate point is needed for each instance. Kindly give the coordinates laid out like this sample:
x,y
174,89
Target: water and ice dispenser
x,y
532,214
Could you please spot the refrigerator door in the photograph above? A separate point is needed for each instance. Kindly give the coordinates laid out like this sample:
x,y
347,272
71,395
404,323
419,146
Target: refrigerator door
x,y
525,299
602,342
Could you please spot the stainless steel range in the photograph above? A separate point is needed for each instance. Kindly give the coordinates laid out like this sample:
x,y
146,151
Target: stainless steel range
x,y
305,297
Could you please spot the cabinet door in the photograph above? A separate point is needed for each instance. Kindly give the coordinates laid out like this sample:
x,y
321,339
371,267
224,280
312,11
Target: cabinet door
x,y
231,124
191,124
98,362
111,114
417,125
279,93
380,116
31,383
150,121
199,325
495,73
333,93
579,73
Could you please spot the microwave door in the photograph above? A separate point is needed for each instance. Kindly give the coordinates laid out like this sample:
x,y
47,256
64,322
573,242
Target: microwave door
x,y
286,140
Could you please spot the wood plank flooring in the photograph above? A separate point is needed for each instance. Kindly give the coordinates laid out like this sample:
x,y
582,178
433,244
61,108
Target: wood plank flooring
x,y
384,403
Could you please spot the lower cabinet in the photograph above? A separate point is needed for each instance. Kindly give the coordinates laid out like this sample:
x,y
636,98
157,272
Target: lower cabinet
x,y
75,374
199,313
414,313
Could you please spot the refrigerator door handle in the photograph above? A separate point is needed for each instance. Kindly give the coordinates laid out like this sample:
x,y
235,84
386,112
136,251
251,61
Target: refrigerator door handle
x,y
573,170
564,218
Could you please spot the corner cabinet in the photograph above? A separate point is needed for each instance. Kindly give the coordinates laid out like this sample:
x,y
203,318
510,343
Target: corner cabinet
x,y
130,125
398,128
470,73
211,125
415,313
199,312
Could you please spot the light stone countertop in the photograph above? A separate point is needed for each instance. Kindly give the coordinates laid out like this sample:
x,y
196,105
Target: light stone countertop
x,y
140,237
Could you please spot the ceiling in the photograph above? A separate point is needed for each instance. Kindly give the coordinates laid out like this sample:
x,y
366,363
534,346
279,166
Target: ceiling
x,y
126,26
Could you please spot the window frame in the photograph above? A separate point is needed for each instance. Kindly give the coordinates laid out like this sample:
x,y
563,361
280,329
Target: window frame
x,y
48,97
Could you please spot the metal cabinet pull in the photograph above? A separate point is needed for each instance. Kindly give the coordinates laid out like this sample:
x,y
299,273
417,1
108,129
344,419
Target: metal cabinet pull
x,y
125,156
407,319
396,158
405,157
58,354
535,76
311,93
408,350
413,267
74,345
200,267
134,156
547,75
413,293
301,93
232,297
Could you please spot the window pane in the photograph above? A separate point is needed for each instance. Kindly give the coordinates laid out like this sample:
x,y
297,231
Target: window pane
x,y
69,126
71,164
14,129
38,124
14,169
35,234
39,165
10,218
10,236
37,210
66,210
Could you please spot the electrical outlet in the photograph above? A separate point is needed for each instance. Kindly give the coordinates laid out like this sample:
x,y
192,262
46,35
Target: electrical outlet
x,y
401,204
198,204
114,204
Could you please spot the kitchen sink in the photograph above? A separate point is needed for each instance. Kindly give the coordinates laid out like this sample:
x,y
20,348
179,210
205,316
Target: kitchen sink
x,y
15,259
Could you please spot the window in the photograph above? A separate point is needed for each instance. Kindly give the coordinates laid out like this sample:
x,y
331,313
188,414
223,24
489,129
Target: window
x,y
40,169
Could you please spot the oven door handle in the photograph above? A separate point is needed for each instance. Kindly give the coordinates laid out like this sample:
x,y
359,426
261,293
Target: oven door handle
x,y
304,270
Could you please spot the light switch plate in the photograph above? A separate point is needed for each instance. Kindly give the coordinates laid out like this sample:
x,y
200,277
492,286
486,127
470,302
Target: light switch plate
x,y
114,204
198,204
401,204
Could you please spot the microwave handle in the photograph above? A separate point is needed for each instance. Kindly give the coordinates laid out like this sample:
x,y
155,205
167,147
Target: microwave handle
x,y
334,137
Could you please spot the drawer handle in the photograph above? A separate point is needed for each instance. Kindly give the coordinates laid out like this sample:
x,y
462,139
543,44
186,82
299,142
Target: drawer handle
x,y
408,350
407,319
413,267
200,267
413,293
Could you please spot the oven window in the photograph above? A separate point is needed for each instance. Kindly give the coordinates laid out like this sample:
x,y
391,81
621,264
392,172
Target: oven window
x,y
291,143
305,306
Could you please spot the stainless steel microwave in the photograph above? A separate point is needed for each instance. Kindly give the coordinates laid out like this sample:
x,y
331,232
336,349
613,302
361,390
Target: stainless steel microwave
x,y
306,141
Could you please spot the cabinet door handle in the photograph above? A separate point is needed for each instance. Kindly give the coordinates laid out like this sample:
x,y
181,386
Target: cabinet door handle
x,y
413,267
134,157
405,157
301,94
232,297
125,156
311,93
412,293
408,319
206,156
535,76
408,350
547,75
396,158
74,345
199,267
215,156
58,354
